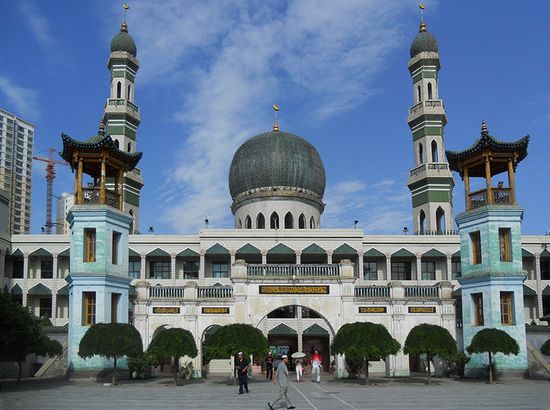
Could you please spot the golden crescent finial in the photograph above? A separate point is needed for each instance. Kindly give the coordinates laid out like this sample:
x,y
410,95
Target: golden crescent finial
x,y
276,109
483,126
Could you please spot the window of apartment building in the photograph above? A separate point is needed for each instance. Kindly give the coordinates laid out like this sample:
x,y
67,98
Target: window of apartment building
x,y
428,270
477,301
46,269
370,270
88,308
89,245
191,269
159,270
115,247
220,270
506,310
475,243
134,269
545,268
17,269
45,307
115,298
456,269
505,244
401,271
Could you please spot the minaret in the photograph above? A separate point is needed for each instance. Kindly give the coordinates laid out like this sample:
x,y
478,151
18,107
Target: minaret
x,y
121,115
490,248
430,181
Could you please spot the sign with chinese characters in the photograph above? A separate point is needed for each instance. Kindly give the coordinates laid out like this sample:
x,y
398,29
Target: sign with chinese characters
x,y
166,310
294,290
215,310
421,309
372,309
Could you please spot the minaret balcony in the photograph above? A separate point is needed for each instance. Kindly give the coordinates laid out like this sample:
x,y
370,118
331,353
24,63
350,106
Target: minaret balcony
x,y
500,196
121,105
426,107
429,169
92,196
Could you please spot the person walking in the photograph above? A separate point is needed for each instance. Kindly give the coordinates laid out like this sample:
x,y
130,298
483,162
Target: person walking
x,y
242,372
269,366
281,377
316,362
299,370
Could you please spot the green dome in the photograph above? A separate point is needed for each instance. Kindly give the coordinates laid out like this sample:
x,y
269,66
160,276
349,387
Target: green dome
x,y
123,41
424,41
276,159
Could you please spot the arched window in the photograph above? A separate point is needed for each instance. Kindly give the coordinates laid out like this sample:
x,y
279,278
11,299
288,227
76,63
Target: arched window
x,y
248,222
274,221
420,153
240,224
430,96
260,221
289,221
422,224
312,223
116,143
302,222
129,93
419,90
118,89
435,156
129,147
440,220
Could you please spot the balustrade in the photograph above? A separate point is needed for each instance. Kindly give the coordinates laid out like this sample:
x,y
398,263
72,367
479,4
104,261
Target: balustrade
x,y
501,196
215,292
91,196
372,292
421,292
284,270
166,292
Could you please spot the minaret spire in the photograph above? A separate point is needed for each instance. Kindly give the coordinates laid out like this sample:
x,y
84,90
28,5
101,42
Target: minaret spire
x,y
276,109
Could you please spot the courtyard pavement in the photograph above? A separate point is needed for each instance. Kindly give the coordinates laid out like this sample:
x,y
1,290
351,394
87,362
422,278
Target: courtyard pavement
x,y
328,395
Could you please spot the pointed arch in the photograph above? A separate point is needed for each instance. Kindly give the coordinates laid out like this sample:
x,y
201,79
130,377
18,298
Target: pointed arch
x,y
419,92
289,221
435,154
240,224
129,92
302,222
129,147
260,221
430,92
117,144
248,222
440,220
274,221
311,223
119,90
420,153
422,222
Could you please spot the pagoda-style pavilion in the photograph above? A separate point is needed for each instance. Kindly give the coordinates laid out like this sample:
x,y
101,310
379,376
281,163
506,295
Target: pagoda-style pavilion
x,y
485,159
100,158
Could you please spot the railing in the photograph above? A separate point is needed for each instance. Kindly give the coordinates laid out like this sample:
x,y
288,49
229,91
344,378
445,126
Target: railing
x,y
425,104
166,292
430,166
91,196
293,270
122,102
414,172
438,166
438,232
372,292
501,196
421,292
214,292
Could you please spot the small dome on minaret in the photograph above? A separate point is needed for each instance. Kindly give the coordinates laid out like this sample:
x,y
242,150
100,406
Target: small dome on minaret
x,y
123,41
424,41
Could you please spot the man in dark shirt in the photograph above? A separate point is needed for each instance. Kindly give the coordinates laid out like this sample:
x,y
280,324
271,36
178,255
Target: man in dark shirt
x,y
269,367
242,372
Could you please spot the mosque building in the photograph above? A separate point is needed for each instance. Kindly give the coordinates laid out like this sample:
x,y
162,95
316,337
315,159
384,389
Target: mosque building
x,y
278,269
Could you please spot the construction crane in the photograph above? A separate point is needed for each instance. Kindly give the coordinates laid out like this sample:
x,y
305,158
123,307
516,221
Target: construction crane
x,y
50,176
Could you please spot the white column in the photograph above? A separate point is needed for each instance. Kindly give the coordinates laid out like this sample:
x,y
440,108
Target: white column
x,y
264,258
388,267
418,268
449,268
360,262
201,266
173,268
25,277
329,258
539,286
143,267
298,259
54,306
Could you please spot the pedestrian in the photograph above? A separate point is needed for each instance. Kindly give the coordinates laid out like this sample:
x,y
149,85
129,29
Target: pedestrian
x,y
299,370
242,372
269,366
281,377
316,362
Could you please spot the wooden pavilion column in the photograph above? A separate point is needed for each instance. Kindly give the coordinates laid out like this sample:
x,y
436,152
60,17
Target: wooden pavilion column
x,y
467,187
102,182
120,188
511,182
488,180
78,183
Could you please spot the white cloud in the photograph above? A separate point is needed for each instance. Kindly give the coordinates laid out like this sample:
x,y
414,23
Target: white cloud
x,y
231,58
37,24
19,100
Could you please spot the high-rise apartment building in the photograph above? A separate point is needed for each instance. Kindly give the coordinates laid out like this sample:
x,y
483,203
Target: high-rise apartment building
x,y
16,148
64,203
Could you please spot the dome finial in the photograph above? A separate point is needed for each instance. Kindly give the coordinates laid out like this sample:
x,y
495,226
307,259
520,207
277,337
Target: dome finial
x,y
423,27
276,109
484,127
124,26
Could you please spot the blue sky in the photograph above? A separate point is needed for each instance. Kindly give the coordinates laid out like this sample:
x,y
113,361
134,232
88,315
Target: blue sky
x,y
210,72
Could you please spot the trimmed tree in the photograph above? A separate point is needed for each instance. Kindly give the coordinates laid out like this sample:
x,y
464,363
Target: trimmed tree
x,y
545,348
21,333
173,344
234,338
367,340
431,340
111,340
493,341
